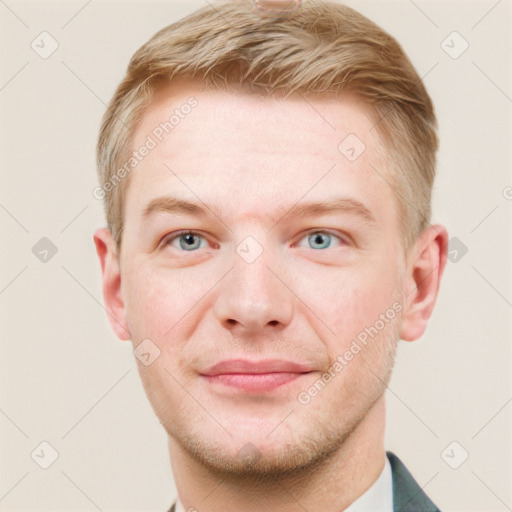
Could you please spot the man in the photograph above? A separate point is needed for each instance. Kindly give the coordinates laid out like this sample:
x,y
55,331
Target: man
x,y
267,177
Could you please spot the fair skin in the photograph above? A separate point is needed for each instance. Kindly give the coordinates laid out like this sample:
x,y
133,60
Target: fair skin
x,y
239,439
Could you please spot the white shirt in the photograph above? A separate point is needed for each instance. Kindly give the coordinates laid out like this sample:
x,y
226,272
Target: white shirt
x,y
378,498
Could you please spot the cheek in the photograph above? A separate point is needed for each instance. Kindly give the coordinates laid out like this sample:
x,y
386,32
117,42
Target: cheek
x,y
349,301
158,302
365,316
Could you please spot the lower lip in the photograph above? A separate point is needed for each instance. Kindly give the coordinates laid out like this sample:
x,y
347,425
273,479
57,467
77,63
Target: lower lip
x,y
254,381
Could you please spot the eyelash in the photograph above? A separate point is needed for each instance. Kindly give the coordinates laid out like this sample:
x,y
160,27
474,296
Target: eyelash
x,y
177,235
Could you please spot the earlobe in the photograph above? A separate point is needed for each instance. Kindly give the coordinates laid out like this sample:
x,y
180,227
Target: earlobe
x,y
111,282
424,272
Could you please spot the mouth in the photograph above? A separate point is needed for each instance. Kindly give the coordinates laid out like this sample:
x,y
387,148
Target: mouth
x,y
255,376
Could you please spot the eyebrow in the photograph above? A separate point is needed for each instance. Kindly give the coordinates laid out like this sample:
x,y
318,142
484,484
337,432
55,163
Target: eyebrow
x,y
341,204
169,204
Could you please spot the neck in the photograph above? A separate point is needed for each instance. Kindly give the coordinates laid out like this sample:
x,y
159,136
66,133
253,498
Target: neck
x,y
331,486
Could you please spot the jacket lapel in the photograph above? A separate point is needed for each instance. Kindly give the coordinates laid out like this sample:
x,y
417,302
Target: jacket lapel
x,y
408,496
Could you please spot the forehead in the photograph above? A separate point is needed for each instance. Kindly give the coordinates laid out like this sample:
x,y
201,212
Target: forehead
x,y
251,116
219,147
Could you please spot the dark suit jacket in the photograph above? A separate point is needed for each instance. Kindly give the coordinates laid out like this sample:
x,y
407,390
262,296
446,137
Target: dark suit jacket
x,y
407,494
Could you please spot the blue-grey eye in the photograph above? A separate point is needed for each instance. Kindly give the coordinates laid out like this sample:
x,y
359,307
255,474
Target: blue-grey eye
x,y
188,241
320,239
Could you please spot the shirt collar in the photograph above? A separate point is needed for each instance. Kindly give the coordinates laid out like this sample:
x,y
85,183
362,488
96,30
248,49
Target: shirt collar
x,y
379,497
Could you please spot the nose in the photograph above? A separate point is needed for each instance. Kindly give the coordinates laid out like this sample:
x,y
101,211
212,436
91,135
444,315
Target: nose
x,y
254,296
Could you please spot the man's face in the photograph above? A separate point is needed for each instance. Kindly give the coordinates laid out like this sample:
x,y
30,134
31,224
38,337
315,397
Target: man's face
x,y
267,292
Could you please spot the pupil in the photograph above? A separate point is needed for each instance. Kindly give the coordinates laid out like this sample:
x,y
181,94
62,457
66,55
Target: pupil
x,y
320,239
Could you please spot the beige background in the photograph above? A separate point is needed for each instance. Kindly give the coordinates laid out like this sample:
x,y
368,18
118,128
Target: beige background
x,y
65,378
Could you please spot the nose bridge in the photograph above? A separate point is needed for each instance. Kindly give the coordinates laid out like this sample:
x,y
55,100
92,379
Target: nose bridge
x,y
251,267
253,297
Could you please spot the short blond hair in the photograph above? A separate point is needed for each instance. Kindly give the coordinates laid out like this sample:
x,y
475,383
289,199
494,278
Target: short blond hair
x,y
324,47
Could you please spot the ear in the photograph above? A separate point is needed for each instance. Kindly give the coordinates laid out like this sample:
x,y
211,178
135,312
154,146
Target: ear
x,y
111,282
426,263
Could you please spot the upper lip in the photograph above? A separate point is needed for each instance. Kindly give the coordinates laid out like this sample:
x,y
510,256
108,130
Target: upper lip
x,y
263,366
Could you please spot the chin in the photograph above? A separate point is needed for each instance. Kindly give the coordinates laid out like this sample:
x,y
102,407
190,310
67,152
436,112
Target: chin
x,y
260,457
